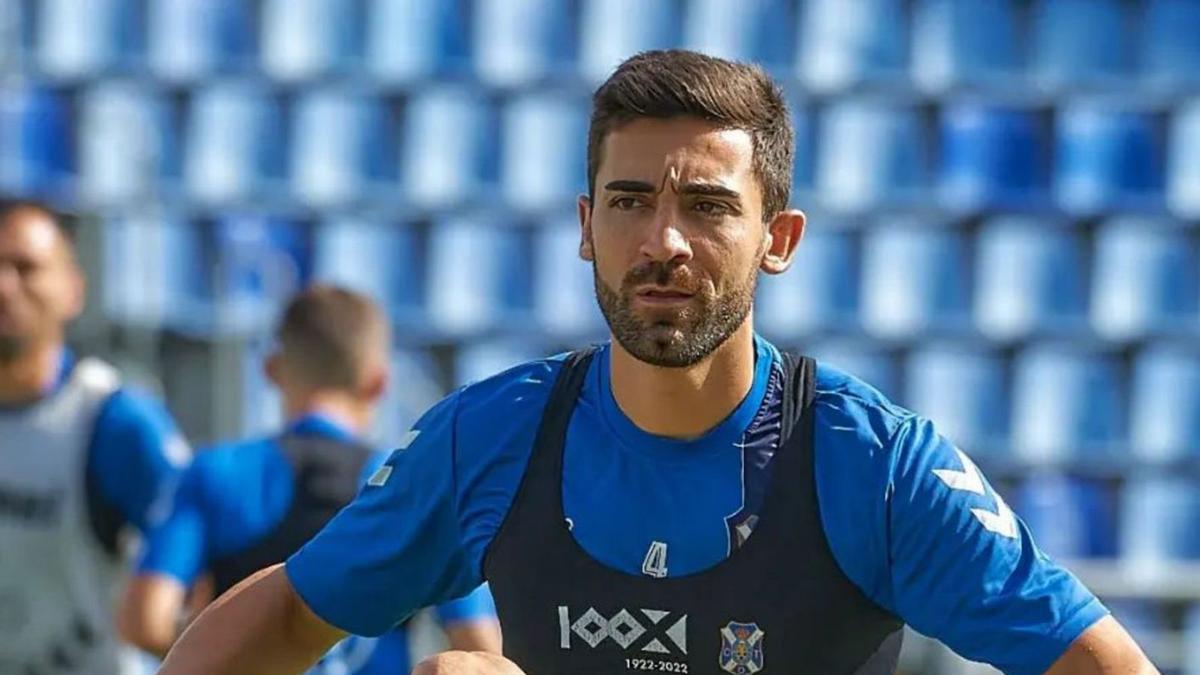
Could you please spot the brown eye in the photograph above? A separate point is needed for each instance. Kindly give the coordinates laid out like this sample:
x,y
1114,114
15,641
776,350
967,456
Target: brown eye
x,y
711,208
624,203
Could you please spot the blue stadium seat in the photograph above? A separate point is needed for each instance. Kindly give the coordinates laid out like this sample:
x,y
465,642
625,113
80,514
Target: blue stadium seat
x,y
1070,518
482,359
1183,162
618,29
913,280
83,38
306,39
964,391
755,30
1030,278
409,41
871,153
255,263
564,296
846,43
804,160
1080,43
993,157
1146,280
383,259
517,42
13,40
819,292
478,276
233,143
544,159
1107,157
1165,403
1160,520
35,150
341,146
958,44
127,143
1170,52
448,149
862,359
1068,400
151,269
191,39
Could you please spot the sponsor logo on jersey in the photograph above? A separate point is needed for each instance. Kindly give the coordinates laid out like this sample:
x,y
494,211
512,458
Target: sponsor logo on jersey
x,y
652,631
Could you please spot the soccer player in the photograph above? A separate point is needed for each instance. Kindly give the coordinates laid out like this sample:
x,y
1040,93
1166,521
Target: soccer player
x,y
243,506
685,498
81,457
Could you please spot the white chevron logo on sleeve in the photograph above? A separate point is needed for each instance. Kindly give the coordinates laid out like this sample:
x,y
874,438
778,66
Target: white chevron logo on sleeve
x,y
1002,521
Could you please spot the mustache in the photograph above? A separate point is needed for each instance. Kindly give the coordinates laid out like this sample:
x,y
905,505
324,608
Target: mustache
x,y
661,274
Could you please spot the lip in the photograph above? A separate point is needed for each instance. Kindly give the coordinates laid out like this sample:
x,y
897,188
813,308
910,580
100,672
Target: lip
x,y
659,296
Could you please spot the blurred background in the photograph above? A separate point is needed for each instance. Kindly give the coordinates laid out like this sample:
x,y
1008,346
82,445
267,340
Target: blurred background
x,y
1004,203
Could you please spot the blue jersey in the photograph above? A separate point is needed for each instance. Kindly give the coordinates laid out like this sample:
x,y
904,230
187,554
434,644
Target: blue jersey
x,y
909,519
233,496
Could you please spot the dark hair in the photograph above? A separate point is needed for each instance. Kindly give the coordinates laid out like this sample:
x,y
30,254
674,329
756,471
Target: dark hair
x,y
9,206
676,82
327,335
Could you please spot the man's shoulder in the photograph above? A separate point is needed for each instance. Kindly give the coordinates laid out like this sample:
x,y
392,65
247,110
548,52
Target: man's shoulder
x,y
510,396
855,420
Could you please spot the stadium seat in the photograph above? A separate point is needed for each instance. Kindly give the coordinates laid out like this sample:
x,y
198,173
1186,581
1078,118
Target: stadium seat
x,y
993,157
1068,401
307,39
84,38
819,292
1146,279
383,259
755,30
262,406
35,141
1165,403
1070,518
564,297
518,42
871,153
1107,157
1030,278
127,143
478,276
958,44
233,143
448,148
341,148
544,154
803,160
1183,161
13,42
863,359
847,43
1080,43
1160,520
914,280
1170,52
409,41
191,39
964,391
255,263
618,29
150,267
481,360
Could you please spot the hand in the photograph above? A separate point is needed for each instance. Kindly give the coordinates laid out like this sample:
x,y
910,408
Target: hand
x,y
467,663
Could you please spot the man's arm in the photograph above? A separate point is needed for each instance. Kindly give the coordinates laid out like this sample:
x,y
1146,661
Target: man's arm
x,y
470,622
260,626
1104,649
150,611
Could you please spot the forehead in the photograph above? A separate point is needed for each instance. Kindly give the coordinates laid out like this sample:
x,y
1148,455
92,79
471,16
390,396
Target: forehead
x,y
646,149
30,234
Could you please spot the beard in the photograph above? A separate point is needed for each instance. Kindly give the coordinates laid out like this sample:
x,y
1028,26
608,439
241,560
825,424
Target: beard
x,y
674,338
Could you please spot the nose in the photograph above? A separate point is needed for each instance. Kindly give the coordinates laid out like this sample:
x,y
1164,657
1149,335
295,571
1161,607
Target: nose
x,y
665,240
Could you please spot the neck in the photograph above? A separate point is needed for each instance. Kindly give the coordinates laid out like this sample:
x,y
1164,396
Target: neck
x,y
338,406
30,376
684,402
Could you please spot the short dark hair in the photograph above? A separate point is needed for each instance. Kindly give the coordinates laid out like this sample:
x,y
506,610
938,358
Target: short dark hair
x,y
11,205
676,82
327,335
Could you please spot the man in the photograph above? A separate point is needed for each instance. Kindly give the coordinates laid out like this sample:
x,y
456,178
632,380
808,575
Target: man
x,y
243,506
686,498
81,458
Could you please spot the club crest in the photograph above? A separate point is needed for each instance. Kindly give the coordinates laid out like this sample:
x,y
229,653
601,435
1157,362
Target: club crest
x,y
741,648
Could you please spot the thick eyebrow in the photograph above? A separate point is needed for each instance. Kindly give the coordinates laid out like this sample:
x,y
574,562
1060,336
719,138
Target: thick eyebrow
x,y
630,186
704,189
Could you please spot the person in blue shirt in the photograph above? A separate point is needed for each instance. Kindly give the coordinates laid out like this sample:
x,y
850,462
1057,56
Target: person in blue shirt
x,y
84,461
242,506
685,498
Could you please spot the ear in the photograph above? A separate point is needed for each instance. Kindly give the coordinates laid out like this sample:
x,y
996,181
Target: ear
x,y
78,294
783,236
585,229
376,384
273,369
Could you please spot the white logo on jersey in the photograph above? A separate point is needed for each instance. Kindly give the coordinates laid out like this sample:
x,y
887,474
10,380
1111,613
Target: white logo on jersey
x,y
626,629
380,477
1001,521
408,439
655,564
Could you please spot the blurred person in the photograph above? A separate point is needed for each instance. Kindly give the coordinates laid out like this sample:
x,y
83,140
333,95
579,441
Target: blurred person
x,y
684,498
84,460
246,505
